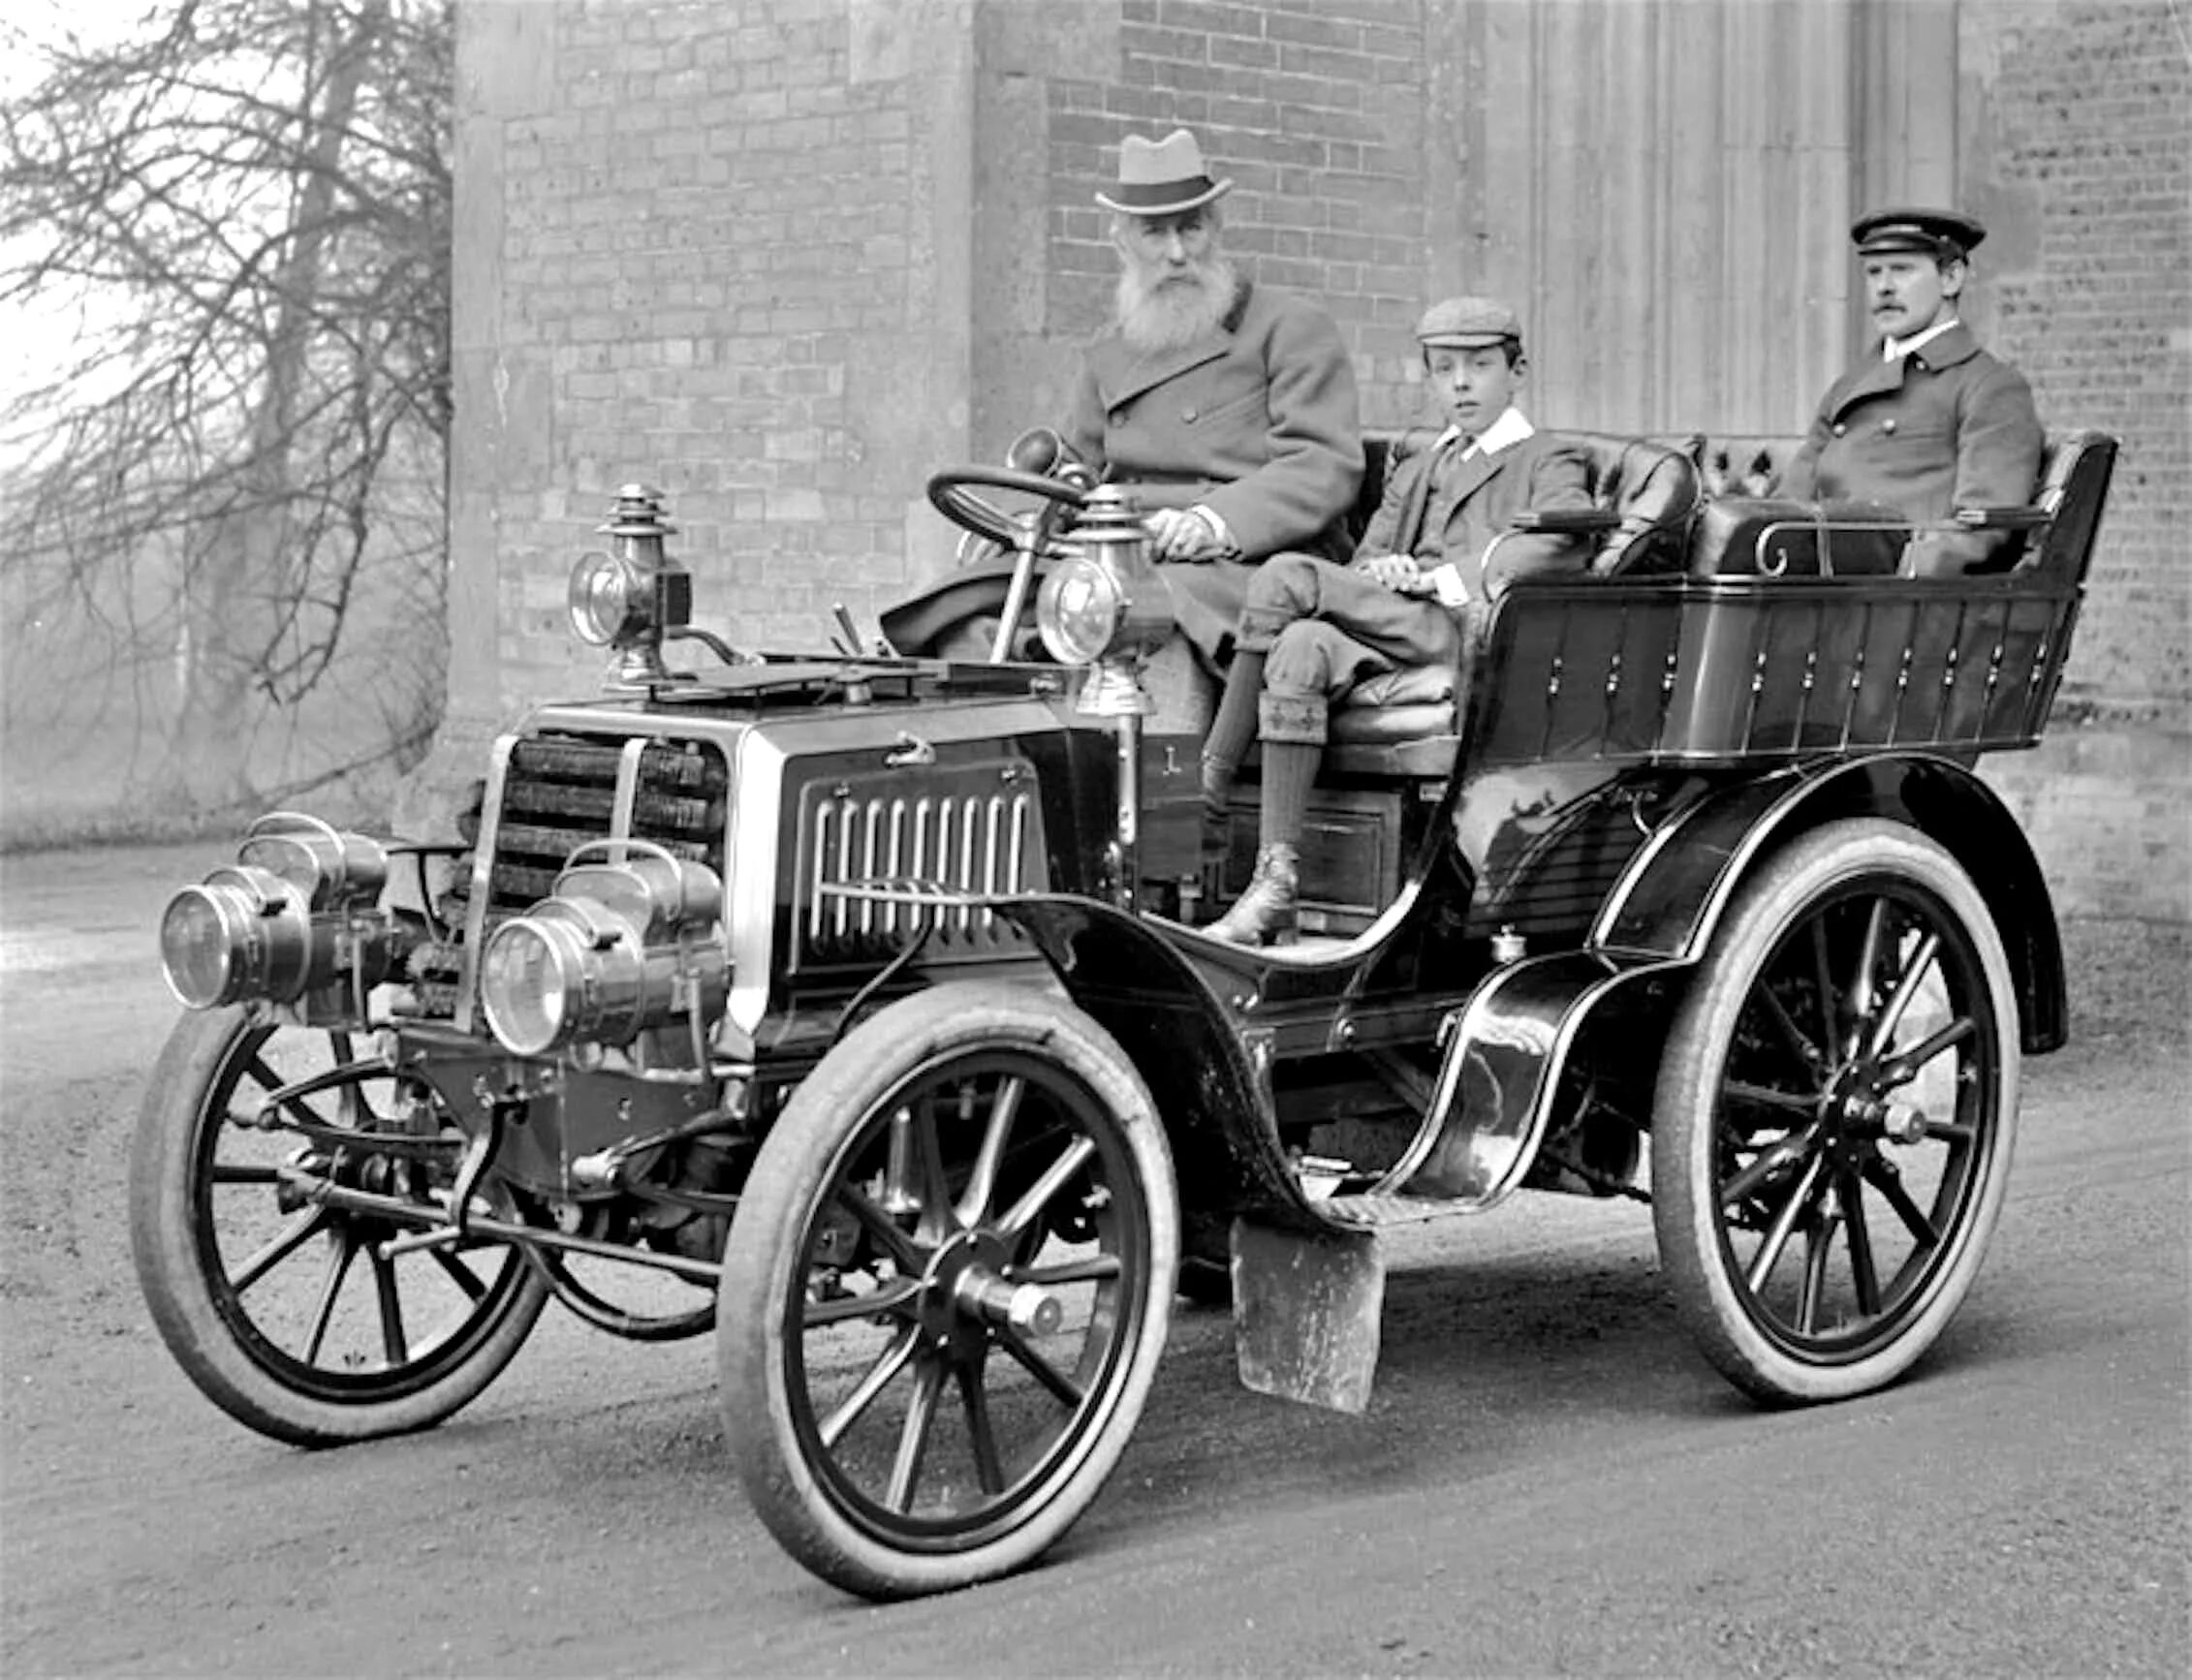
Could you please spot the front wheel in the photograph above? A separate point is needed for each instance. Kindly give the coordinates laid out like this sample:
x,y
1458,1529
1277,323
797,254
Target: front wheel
x,y
285,1309
946,1290
1836,1113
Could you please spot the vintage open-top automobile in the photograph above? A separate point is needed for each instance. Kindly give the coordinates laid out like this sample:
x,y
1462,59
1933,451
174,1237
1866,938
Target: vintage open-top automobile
x,y
857,1007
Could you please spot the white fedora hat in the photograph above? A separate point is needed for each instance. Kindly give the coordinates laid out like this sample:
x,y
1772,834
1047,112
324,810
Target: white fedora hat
x,y
1162,178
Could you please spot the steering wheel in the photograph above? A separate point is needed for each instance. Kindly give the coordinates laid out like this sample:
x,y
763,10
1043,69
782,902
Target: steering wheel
x,y
950,493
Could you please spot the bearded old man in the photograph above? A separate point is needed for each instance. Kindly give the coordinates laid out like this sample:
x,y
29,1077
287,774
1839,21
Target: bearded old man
x,y
1225,408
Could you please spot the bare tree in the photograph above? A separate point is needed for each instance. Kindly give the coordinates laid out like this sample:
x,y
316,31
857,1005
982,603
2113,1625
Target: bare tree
x,y
231,497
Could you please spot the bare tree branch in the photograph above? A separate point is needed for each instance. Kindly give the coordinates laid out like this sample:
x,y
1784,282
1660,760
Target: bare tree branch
x,y
231,492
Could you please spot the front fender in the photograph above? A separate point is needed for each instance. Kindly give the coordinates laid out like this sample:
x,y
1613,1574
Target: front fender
x,y
1200,1067
1670,900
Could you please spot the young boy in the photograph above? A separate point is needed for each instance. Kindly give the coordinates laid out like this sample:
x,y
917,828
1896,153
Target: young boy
x,y
1312,630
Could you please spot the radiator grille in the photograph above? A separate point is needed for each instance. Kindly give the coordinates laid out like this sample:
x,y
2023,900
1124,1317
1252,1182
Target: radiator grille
x,y
560,792
986,839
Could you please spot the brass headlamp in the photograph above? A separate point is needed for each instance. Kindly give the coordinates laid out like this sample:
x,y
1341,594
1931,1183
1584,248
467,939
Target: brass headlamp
x,y
1106,606
297,910
632,597
625,942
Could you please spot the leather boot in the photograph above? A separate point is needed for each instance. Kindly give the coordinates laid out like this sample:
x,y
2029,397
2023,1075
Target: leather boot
x,y
1265,914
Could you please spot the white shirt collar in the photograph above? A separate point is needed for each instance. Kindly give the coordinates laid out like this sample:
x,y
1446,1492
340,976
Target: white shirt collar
x,y
1893,348
1504,433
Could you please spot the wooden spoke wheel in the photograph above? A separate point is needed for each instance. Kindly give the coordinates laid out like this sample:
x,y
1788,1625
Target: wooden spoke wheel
x,y
281,1307
946,1290
1836,1115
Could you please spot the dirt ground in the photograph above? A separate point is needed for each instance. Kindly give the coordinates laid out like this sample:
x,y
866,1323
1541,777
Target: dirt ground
x,y
1540,1432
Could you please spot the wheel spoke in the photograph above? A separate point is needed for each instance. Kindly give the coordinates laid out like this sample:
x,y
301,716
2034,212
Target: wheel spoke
x,y
342,1249
886,1300
291,1236
913,1439
257,1069
1770,1160
982,1183
1041,1369
1785,1023
1882,1175
980,1430
1767,1096
1906,989
395,1344
1859,1235
1905,1068
887,1365
1860,992
460,1274
881,1227
1029,1207
1823,974
1819,1239
934,1220
1082,1269
1769,1253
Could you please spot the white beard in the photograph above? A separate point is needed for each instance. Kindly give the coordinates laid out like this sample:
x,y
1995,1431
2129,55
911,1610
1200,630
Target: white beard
x,y
1155,317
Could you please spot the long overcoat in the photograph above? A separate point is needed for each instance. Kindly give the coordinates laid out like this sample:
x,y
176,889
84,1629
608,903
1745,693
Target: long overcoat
x,y
1946,426
1258,419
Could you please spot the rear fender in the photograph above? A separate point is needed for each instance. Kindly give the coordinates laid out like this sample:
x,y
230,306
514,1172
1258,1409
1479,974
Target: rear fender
x,y
1670,900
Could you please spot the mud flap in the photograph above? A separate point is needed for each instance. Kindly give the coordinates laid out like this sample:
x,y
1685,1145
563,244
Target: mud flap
x,y
1305,1312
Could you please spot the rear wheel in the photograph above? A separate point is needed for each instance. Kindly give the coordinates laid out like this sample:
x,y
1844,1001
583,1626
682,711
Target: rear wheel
x,y
1836,1115
946,1290
282,1309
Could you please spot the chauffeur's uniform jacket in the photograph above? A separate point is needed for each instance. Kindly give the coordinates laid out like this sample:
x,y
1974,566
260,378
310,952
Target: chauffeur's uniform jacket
x,y
1944,426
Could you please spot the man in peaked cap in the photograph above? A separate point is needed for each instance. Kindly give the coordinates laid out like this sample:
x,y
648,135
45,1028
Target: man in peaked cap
x,y
1227,410
1928,422
1416,595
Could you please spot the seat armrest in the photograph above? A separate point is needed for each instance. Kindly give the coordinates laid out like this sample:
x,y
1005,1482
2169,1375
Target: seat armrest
x,y
2001,518
1567,522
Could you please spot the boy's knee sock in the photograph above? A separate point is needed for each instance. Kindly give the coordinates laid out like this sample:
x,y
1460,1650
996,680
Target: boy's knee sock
x,y
1235,724
1290,770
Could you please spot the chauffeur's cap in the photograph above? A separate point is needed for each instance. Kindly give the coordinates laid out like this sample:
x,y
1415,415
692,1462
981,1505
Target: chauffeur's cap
x,y
1468,324
1938,234
1162,178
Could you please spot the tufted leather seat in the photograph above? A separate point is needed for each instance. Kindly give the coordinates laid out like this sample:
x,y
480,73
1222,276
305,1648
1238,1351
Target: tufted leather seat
x,y
1646,493
1743,530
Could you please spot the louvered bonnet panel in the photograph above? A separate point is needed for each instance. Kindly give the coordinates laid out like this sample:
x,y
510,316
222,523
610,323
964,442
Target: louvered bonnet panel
x,y
970,827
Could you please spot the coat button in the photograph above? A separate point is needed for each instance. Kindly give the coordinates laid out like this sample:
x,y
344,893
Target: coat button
x,y
1887,425
1839,428
1188,415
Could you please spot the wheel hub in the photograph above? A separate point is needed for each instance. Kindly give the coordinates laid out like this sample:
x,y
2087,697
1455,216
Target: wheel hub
x,y
1858,1111
966,1290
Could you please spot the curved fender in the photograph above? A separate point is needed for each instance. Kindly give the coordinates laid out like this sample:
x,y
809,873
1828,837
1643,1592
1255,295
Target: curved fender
x,y
1670,900
1203,1073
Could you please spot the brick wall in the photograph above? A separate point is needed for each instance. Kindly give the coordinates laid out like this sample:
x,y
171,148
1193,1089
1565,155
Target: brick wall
x,y
783,258
2078,146
696,248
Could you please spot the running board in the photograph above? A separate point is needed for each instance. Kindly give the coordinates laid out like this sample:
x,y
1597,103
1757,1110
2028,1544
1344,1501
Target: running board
x,y
1494,1093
